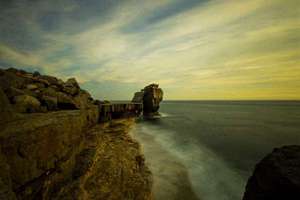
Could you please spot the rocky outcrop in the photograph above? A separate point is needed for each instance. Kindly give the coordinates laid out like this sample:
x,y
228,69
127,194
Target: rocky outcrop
x,y
109,167
150,96
52,147
277,176
29,92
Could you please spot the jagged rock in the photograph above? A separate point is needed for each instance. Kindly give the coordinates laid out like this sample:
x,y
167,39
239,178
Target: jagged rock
x,y
277,176
26,104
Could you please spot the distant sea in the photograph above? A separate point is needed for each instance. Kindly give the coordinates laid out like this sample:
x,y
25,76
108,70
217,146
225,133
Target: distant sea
x,y
207,150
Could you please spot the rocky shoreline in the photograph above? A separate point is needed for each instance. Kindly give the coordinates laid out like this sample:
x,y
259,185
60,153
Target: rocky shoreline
x,y
53,147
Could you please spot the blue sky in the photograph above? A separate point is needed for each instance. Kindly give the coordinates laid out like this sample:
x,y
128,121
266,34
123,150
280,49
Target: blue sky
x,y
195,49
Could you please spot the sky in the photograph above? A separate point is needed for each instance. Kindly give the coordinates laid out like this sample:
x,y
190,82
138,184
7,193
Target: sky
x,y
195,49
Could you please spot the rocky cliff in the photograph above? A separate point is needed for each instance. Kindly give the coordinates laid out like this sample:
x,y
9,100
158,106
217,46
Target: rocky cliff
x,y
52,147
277,176
150,96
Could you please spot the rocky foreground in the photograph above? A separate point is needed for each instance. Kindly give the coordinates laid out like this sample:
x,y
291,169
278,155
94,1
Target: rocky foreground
x,y
52,146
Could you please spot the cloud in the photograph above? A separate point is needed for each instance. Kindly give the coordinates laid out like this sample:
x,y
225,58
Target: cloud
x,y
195,49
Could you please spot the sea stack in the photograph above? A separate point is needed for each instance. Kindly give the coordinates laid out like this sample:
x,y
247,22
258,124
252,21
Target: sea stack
x,y
150,96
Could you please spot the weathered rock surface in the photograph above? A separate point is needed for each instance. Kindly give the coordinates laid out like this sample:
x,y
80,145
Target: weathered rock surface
x,y
150,96
63,154
110,166
277,176
25,89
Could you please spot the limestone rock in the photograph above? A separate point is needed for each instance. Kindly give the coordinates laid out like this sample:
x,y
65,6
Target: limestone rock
x,y
277,176
27,104
43,146
83,99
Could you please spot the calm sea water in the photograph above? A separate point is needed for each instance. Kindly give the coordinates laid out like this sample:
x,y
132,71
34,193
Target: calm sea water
x,y
206,150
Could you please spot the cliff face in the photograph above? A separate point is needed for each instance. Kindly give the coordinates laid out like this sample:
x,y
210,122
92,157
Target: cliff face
x,y
51,146
277,176
150,96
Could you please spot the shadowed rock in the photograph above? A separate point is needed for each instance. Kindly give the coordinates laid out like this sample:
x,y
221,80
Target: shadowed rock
x,y
276,177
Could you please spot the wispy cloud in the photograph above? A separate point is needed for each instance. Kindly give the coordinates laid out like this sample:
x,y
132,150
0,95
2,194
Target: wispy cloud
x,y
195,49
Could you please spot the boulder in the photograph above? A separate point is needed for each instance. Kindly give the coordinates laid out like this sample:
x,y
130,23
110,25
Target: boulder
x,y
26,104
11,92
50,79
71,87
277,176
9,79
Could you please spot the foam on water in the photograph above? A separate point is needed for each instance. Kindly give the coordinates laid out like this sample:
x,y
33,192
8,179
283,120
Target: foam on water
x,y
209,176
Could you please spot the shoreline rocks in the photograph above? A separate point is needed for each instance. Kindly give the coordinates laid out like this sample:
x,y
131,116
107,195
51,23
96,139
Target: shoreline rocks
x,y
277,176
29,92
52,147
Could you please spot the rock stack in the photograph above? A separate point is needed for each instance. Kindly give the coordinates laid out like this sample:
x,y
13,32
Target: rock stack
x,y
150,96
32,92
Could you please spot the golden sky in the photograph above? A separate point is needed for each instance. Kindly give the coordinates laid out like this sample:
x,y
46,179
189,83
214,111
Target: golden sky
x,y
218,49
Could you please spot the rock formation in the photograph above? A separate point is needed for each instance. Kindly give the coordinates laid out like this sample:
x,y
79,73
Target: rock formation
x,y
52,147
277,176
150,96
30,93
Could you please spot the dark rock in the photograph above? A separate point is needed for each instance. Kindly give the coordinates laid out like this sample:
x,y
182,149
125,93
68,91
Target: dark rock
x,y
5,108
138,97
36,74
10,79
12,92
26,104
50,102
65,102
71,87
150,96
276,177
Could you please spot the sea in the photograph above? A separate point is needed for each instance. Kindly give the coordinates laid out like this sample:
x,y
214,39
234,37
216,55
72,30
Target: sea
x,y
207,150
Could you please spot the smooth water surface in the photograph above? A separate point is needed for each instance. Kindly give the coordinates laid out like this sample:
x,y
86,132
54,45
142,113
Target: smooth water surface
x,y
208,149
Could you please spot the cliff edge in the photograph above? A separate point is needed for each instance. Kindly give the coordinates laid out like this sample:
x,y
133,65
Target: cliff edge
x,y
52,146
